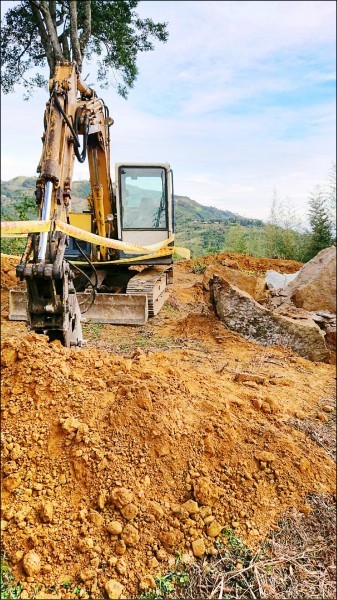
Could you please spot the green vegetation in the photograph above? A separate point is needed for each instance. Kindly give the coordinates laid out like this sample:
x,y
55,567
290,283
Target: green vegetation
x,y
172,582
8,589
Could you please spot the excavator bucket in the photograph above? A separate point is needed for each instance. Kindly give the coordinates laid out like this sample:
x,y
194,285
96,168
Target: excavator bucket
x,y
117,309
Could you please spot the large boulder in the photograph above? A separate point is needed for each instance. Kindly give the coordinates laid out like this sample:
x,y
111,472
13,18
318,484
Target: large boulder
x,y
241,313
255,286
314,288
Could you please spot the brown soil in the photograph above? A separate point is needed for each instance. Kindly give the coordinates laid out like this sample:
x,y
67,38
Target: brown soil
x,y
151,440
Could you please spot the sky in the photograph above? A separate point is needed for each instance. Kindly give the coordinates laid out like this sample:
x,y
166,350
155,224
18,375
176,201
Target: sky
x,y
240,101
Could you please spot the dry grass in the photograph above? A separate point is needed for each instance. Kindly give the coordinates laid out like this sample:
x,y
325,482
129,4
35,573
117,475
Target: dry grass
x,y
297,561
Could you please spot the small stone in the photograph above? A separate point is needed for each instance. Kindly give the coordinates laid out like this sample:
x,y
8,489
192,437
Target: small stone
x,y
161,554
115,527
46,511
121,567
147,582
130,535
96,519
168,539
114,589
129,511
3,525
191,506
265,456
18,556
120,547
198,547
121,496
102,499
87,575
32,563
214,529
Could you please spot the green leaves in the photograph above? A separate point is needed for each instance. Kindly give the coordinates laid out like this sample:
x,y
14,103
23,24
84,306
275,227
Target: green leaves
x,y
113,31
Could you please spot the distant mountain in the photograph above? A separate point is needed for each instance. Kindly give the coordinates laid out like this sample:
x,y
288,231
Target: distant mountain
x,y
203,229
187,212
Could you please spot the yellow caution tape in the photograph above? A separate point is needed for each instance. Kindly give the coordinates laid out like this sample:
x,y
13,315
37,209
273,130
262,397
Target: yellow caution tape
x,y
20,228
14,227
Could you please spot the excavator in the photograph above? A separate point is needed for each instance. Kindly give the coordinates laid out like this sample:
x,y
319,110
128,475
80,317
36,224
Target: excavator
x,y
112,263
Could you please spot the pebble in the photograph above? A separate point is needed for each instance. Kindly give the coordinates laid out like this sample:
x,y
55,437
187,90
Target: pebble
x,y
198,547
32,563
114,589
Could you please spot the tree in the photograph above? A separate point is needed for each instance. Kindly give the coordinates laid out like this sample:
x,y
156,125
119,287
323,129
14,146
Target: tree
x,y
320,222
38,31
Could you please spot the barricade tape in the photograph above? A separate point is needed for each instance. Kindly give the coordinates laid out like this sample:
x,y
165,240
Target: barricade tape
x,y
21,227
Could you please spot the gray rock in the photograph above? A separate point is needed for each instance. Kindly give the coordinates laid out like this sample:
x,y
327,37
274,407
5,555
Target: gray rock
x,y
278,281
241,313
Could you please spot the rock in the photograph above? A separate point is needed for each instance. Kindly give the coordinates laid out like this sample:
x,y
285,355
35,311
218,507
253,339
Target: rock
x,y
198,547
87,575
255,286
32,563
327,408
12,482
46,511
154,508
129,511
121,567
114,589
96,519
115,527
147,582
191,506
121,496
120,548
265,456
161,554
102,498
277,281
241,313
130,535
314,288
168,539
142,398
206,492
214,529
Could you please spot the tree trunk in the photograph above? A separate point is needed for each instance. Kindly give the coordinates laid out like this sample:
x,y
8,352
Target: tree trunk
x,y
75,44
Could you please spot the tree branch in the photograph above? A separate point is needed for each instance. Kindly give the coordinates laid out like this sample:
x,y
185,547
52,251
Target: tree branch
x,y
84,37
43,34
75,44
57,51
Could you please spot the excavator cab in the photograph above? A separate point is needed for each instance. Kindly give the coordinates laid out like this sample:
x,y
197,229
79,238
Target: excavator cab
x,y
144,203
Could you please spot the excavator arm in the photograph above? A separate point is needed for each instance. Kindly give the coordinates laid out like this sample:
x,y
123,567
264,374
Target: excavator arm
x,y
52,306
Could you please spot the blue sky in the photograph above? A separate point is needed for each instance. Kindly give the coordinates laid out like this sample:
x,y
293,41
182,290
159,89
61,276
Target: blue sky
x,y
240,101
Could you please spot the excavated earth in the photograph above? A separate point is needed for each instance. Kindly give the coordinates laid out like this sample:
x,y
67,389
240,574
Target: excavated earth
x,y
150,441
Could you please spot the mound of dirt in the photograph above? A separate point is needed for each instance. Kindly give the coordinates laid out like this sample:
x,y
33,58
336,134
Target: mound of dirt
x,y
245,262
8,278
111,465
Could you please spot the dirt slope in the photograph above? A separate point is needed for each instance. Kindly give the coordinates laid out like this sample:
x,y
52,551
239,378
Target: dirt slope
x,y
150,441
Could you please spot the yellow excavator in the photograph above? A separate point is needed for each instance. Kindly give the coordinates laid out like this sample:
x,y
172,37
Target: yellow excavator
x,y
111,263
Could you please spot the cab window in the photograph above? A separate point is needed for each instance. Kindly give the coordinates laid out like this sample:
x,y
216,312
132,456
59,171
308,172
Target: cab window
x,y
143,198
